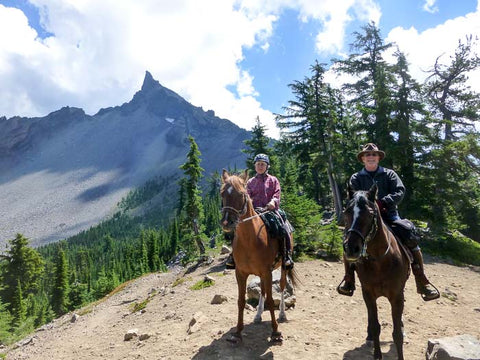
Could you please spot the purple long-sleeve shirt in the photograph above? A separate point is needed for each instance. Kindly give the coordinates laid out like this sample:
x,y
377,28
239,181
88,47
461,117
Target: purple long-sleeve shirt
x,y
262,188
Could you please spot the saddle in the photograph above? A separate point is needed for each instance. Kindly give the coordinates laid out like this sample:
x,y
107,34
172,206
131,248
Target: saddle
x,y
405,234
277,226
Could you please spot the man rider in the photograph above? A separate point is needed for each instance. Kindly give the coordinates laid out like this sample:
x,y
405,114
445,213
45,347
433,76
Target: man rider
x,y
390,193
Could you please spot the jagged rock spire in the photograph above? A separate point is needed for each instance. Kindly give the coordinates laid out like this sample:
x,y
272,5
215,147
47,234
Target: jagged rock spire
x,y
149,82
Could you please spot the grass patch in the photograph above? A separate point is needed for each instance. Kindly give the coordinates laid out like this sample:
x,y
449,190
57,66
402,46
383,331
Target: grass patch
x,y
202,284
139,306
180,281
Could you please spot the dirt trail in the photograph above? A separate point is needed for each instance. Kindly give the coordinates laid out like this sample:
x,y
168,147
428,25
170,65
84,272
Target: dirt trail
x,y
323,324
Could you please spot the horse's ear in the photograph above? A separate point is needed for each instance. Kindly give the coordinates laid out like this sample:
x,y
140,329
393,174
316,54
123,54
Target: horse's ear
x,y
244,176
225,175
372,193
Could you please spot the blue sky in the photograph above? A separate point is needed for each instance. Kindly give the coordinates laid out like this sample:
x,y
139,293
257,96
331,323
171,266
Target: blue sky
x,y
235,57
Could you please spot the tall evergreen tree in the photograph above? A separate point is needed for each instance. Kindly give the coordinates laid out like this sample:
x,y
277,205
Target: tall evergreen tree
x,y
61,286
406,110
451,171
193,207
312,122
257,144
19,310
454,105
372,92
20,264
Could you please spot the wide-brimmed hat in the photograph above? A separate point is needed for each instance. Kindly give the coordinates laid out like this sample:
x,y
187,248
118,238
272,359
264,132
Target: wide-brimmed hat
x,y
370,147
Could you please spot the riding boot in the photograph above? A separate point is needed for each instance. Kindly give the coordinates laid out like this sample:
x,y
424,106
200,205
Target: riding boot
x,y
424,287
230,263
287,258
347,286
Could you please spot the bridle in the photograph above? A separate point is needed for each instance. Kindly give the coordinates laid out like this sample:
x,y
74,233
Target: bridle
x,y
372,231
238,212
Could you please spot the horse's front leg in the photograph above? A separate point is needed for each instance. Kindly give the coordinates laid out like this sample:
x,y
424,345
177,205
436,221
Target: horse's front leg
x,y
282,317
260,307
373,329
267,280
242,288
397,305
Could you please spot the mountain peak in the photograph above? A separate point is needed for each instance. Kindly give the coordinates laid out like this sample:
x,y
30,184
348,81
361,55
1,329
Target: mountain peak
x,y
149,82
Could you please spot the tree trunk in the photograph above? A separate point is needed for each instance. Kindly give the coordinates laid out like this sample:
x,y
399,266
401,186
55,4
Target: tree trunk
x,y
200,245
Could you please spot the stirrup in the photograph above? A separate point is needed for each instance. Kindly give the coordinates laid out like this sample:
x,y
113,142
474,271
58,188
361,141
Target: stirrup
x,y
287,262
230,263
433,296
288,265
342,290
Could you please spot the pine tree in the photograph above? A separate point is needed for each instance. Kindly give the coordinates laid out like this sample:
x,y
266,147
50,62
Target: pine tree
x,y
312,122
450,171
258,144
193,208
408,110
21,264
154,262
372,92
61,287
19,310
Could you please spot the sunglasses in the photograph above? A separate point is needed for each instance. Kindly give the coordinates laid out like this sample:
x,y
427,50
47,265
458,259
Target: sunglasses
x,y
371,154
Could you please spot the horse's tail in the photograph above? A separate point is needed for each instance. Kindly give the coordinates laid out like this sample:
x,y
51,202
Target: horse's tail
x,y
294,278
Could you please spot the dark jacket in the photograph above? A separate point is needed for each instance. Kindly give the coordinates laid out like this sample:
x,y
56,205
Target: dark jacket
x,y
390,188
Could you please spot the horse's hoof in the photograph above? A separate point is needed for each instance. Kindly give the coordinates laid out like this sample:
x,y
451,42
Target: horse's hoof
x,y
257,319
234,339
276,337
282,319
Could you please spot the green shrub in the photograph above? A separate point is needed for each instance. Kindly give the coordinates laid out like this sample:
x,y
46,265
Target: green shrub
x,y
456,246
202,284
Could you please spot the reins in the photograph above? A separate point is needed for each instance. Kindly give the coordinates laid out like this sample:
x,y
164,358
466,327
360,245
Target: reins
x,y
254,216
243,211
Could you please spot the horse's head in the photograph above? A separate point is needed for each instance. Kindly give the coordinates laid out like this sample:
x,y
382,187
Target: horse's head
x,y
360,222
234,199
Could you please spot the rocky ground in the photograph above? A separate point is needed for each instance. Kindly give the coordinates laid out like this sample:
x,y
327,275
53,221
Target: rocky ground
x,y
322,325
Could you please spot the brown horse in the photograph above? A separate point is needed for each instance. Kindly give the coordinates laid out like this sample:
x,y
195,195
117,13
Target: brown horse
x,y
253,251
381,266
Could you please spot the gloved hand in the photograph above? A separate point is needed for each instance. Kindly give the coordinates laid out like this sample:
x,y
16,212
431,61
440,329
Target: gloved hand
x,y
382,206
271,205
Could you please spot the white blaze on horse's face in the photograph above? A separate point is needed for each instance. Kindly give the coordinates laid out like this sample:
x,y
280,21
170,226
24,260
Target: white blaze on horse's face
x,y
229,190
356,209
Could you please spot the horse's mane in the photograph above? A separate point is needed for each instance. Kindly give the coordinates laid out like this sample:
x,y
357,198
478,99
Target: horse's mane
x,y
236,181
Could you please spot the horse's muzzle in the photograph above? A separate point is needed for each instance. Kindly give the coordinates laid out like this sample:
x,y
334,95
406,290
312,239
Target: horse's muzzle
x,y
352,249
229,223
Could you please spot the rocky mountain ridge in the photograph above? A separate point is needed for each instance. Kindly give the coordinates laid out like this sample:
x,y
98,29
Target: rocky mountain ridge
x,y
67,171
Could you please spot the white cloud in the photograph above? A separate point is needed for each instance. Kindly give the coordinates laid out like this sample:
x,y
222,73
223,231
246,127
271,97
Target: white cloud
x,y
335,16
422,49
430,6
100,50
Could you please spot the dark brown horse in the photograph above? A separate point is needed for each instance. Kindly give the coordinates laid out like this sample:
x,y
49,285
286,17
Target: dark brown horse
x,y
381,265
253,251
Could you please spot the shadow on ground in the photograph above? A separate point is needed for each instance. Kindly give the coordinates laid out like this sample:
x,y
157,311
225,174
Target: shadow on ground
x,y
255,345
366,352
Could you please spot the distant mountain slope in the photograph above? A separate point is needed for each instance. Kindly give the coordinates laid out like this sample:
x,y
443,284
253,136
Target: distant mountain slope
x,y
65,172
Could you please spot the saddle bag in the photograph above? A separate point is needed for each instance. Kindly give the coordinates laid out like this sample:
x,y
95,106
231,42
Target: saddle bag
x,y
405,230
